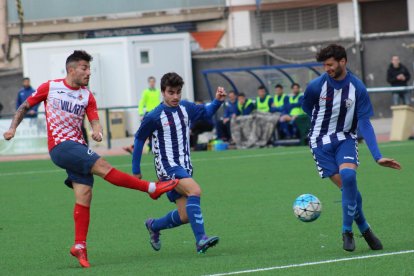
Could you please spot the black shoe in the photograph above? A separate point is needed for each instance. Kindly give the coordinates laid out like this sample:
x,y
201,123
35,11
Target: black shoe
x,y
372,240
349,243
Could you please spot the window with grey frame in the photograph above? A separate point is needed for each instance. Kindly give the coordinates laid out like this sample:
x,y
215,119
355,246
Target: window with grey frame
x,y
299,19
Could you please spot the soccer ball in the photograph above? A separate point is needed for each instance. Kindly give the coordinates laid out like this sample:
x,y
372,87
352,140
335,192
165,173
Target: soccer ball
x,y
307,207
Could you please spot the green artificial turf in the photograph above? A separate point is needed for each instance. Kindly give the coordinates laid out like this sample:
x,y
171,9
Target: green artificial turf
x,y
247,201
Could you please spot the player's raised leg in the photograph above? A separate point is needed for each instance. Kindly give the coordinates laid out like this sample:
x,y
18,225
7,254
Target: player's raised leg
x,y
103,169
81,215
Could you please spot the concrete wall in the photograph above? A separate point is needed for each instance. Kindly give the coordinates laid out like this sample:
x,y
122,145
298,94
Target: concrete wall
x,y
10,84
240,29
295,37
346,20
410,8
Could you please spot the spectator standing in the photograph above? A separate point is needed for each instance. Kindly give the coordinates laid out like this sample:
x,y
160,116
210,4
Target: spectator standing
x,y
23,94
398,75
150,98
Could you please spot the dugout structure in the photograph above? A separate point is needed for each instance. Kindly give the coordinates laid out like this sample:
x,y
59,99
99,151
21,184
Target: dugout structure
x,y
248,79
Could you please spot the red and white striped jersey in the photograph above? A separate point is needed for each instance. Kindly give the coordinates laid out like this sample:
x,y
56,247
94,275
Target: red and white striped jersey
x,y
65,108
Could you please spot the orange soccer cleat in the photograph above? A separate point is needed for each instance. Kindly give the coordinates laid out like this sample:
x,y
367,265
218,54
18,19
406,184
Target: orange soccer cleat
x,y
163,187
80,253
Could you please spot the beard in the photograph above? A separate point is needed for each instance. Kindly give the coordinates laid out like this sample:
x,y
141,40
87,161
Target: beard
x,y
337,73
82,82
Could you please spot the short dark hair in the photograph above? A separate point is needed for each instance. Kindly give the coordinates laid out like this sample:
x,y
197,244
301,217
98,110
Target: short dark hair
x,y
26,78
151,78
261,87
241,94
78,55
295,84
171,79
334,50
279,86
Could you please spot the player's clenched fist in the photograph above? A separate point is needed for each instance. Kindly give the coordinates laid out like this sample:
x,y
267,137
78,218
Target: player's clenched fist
x,y
97,136
9,134
221,94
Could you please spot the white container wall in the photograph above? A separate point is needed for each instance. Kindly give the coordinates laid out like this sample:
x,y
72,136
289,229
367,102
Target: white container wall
x,y
120,66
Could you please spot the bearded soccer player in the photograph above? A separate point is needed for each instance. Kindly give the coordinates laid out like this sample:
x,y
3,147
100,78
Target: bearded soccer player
x,y
168,125
66,103
338,105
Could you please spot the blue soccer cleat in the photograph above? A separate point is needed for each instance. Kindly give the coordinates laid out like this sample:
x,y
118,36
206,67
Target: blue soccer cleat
x,y
205,243
154,235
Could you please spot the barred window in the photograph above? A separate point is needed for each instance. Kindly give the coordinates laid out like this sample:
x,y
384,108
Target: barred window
x,y
300,19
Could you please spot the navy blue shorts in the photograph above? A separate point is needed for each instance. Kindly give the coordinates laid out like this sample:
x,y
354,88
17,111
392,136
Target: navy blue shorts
x,y
77,159
176,173
329,157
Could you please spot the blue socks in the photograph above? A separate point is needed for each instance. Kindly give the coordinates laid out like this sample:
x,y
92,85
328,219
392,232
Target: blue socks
x,y
195,217
349,198
359,215
171,220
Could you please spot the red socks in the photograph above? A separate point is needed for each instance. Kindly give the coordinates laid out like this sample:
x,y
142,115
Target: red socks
x,y
81,216
122,179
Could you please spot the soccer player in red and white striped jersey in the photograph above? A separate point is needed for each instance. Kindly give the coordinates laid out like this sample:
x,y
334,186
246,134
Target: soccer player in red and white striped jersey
x,y
67,101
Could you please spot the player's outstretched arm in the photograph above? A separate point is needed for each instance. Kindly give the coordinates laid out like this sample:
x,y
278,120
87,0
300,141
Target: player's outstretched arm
x,y
367,131
389,163
96,130
17,119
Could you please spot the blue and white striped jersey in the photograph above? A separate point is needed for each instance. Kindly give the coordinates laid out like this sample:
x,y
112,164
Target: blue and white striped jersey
x,y
335,108
169,130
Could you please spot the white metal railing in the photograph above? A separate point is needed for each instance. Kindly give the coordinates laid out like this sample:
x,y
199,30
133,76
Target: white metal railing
x,y
390,89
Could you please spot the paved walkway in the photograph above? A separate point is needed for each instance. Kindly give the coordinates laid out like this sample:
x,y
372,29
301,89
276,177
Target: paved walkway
x,y
382,128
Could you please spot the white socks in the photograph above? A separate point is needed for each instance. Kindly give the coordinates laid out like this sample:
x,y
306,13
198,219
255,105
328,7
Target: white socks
x,y
151,187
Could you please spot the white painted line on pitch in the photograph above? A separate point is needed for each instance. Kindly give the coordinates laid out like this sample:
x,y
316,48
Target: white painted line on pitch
x,y
314,263
195,160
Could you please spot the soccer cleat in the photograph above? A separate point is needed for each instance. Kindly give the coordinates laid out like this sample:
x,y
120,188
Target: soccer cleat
x,y
80,253
372,240
349,242
205,243
163,187
154,236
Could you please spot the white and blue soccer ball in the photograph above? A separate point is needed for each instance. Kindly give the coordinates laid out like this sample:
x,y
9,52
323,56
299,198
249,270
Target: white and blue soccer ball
x,y
307,207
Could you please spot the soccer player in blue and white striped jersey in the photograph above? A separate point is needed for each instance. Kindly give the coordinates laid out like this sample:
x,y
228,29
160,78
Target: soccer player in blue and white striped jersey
x,y
338,105
168,126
